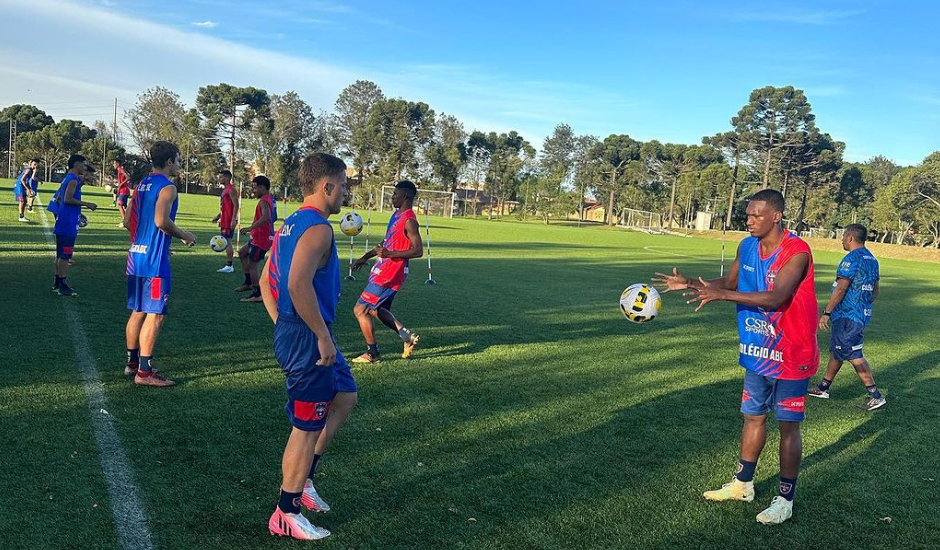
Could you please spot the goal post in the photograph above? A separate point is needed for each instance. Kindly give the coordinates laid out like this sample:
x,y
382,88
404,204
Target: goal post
x,y
428,201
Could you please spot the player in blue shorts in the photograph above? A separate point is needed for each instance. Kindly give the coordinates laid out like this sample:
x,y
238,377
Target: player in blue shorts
x,y
68,205
26,187
849,310
151,222
300,286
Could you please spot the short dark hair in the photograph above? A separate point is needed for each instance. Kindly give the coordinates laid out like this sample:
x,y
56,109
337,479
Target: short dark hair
x,y
36,160
410,190
857,231
162,152
226,173
772,197
316,167
89,167
263,181
75,159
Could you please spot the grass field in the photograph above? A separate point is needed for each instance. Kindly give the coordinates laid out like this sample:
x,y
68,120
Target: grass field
x,y
532,416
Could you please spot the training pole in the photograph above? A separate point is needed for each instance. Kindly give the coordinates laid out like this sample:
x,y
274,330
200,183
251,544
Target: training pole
x,y
350,276
724,228
427,230
369,222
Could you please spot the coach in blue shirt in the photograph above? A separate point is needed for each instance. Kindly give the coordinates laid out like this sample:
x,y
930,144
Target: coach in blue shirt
x,y
849,309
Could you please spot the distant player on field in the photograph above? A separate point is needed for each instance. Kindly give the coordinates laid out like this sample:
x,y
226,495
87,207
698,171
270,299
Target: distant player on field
x,y
262,236
300,285
771,280
227,217
402,243
151,221
68,209
26,187
849,308
123,189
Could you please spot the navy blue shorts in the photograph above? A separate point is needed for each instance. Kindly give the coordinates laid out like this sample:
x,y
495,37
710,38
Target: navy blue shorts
x,y
787,398
64,246
256,253
847,340
377,296
122,200
148,294
229,234
310,387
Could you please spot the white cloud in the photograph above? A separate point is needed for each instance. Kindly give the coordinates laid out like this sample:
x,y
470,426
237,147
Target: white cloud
x,y
205,24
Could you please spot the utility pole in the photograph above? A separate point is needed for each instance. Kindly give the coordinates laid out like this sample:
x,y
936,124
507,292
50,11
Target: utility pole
x,y
12,149
114,130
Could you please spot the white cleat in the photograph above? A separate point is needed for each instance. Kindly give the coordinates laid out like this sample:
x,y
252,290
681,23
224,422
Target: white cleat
x,y
311,500
733,490
295,526
779,511
226,269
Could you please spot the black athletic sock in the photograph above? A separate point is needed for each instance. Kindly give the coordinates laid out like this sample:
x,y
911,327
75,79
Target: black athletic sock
x,y
133,355
145,365
374,350
289,503
313,467
873,391
788,488
745,470
228,263
824,385
256,291
404,334
247,279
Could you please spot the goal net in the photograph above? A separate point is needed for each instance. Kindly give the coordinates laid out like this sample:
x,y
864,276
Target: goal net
x,y
435,203
641,220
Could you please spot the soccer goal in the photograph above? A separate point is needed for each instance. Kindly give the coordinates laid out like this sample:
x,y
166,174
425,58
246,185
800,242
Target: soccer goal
x,y
437,203
640,220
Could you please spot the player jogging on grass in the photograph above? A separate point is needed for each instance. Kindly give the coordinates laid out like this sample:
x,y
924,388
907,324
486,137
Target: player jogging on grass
x,y
300,285
67,209
262,236
402,243
123,192
771,280
849,309
26,188
227,218
151,221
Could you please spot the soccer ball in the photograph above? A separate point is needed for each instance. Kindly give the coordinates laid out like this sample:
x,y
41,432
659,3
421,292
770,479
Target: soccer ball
x,y
109,188
218,243
82,220
640,303
351,224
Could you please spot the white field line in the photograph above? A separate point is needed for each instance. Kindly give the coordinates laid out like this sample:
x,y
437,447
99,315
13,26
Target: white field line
x,y
130,517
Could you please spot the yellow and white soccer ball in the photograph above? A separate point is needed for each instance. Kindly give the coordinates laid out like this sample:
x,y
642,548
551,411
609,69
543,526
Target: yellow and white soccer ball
x,y
640,303
351,224
218,243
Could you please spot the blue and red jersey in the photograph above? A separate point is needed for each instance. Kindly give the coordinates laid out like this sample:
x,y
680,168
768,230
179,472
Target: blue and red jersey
x,y
777,344
149,255
326,279
392,272
66,221
861,269
263,235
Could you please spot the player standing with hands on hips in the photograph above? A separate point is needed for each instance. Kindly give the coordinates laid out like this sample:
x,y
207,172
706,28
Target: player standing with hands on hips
x,y
771,280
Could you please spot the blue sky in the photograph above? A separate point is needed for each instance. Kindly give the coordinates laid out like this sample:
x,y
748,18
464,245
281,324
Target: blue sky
x,y
672,70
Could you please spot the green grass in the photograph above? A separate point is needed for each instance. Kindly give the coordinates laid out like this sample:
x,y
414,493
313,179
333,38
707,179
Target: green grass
x,y
532,416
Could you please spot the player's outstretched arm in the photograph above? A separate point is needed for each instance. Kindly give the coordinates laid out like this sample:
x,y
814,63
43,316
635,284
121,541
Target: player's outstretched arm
x,y
270,303
162,219
785,285
309,255
678,281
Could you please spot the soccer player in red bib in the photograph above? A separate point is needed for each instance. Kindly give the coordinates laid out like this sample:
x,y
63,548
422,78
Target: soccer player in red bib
x,y
262,236
151,222
402,243
771,280
123,192
227,217
300,285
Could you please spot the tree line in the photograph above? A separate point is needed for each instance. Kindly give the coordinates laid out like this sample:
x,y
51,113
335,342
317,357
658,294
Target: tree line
x,y
772,141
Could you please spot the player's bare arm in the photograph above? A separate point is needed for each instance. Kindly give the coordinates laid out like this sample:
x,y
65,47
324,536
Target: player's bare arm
x,y
70,197
234,196
265,217
416,250
785,285
678,281
270,303
162,219
312,252
838,293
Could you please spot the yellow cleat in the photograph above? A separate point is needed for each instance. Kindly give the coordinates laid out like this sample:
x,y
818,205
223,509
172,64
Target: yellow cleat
x,y
779,511
733,490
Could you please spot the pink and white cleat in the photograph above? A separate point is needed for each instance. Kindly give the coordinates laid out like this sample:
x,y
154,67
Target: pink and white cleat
x,y
311,500
294,525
